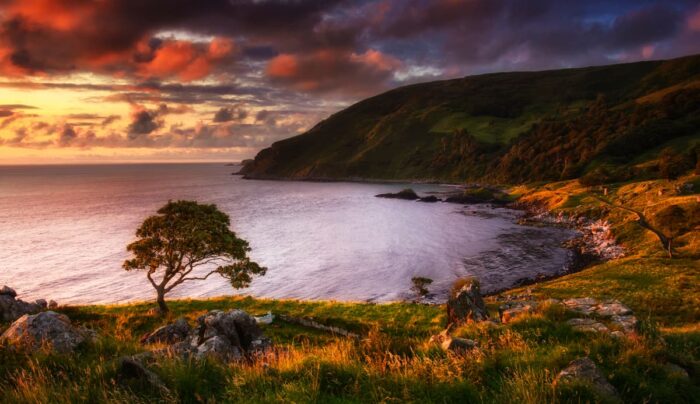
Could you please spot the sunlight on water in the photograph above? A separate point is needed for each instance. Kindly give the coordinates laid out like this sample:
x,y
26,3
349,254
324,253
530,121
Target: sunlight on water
x,y
64,230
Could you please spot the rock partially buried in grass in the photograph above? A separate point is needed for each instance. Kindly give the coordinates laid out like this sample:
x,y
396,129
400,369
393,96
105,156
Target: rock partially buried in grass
x,y
12,308
587,325
510,311
453,344
585,370
132,369
169,334
227,336
47,329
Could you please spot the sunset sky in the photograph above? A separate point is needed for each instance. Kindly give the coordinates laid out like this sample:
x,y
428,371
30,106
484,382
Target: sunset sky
x,y
151,80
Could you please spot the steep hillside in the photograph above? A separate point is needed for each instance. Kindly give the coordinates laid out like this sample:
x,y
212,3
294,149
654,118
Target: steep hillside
x,y
505,127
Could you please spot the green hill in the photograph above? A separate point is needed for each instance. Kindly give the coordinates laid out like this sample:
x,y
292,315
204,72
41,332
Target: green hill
x,y
504,127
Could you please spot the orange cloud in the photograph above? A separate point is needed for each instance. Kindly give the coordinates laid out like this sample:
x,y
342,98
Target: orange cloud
x,y
284,65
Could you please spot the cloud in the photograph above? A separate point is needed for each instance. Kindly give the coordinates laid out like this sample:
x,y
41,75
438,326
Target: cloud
x,y
226,114
143,122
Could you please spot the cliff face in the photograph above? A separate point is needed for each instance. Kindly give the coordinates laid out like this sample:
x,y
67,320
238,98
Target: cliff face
x,y
505,127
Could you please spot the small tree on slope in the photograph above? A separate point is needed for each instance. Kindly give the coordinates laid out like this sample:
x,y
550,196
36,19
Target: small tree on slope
x,y
189,241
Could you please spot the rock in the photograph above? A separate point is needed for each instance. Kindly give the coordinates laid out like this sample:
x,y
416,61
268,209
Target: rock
x,y
226,336
41,303
613,308
676,371
429,198
169,334
8,291
47,328
131,368
11,309
617,334
510,311
453,344
585,370
407,194
584,305
627,323
456,344
466,304
53,304
587,325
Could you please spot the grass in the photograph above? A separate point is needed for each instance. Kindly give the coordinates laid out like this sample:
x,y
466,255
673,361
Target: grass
x,y
394,361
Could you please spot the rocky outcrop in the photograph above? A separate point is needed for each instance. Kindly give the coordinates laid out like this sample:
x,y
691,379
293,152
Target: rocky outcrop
x,y
169,334
407,194
227,336
585,370
429,198
12,308
46,329
587,325
466,304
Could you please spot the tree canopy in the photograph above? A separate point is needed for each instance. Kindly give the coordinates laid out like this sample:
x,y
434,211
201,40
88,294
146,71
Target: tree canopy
x,y
189,241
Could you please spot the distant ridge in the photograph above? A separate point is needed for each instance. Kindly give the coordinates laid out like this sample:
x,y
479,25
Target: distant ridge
x,y
502,127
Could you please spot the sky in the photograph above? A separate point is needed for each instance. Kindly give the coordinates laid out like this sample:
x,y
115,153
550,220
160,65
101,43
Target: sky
x,y
217,80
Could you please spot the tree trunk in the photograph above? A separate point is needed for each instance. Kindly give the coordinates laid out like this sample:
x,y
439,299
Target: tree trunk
x,y
161,302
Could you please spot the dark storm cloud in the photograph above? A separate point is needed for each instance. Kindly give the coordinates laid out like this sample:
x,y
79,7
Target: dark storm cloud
x,y
226,114
143,123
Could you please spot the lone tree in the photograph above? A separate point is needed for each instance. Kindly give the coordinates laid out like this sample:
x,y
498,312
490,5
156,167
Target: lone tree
x,y
183,242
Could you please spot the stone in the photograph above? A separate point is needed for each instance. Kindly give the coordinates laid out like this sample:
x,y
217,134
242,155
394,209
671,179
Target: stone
x,y
509,312
131,368
585,305
628,324
226,336
617,334
429,199
47,328
587,325
11,309
53,304
42,303
584,369
407,194
466,305
169,334
613,308
676,371
8,291
456,344
452,344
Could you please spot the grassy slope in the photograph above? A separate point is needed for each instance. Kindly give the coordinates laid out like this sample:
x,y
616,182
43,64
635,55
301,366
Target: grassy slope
x,y
394,362
465,128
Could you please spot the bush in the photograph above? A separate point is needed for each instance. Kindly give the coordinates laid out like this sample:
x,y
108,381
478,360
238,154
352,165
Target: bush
x,y
673,164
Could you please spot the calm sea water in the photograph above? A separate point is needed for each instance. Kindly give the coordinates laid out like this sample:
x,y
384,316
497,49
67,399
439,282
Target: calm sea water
x,y
64,229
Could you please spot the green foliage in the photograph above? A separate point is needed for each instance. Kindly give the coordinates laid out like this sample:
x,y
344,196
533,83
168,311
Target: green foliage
x,y
183,237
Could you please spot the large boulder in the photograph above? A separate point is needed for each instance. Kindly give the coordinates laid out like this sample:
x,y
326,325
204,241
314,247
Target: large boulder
x,y
47,329
585,370
227,336
466,304
169,334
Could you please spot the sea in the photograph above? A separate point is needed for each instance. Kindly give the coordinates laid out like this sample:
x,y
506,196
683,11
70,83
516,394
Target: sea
x,y
64,231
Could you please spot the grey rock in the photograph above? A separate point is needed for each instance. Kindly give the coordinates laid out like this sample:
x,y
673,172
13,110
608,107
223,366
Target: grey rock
x,y
8,291
587,325
584,369
11,309
613,308
676,371
584,305
511,311
169,334
466,305
452,344
226,336
131,368
628,324
49,329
